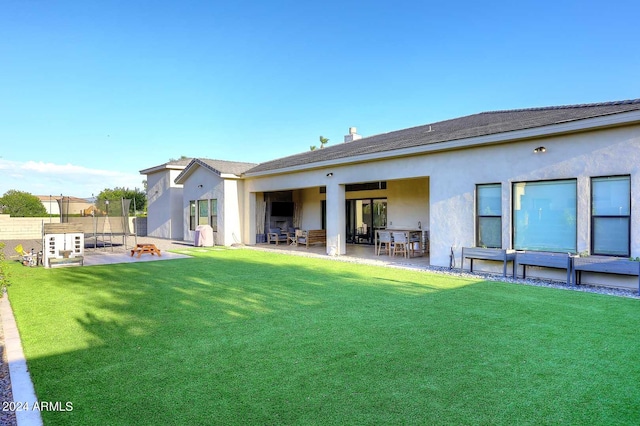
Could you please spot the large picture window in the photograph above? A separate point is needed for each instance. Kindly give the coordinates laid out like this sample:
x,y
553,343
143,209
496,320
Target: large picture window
x,y
611,215
544,216
489,215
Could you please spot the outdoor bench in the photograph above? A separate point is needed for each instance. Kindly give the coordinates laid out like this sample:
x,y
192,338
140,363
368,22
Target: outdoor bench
x,y
605,265
66,261
499,255
314,236
543,259
140,249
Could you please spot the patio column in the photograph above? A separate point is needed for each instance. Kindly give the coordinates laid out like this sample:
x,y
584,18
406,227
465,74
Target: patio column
x,y
250,218
336,218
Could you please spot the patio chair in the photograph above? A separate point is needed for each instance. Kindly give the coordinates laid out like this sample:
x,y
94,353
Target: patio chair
x,y
362,234
300,237
276,234
415,242
384,239
28,259
400,243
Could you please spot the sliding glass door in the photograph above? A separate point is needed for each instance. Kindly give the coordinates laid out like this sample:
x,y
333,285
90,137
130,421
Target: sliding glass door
x,y
364,216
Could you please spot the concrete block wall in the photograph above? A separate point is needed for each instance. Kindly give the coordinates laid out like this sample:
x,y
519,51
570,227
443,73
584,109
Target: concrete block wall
x,y
21,228
30,228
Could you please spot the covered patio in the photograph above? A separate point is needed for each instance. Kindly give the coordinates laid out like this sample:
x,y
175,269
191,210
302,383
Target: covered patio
x,y
351,216
357,252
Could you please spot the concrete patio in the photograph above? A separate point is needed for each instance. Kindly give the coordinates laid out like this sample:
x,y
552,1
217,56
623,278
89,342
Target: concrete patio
x,y
355,252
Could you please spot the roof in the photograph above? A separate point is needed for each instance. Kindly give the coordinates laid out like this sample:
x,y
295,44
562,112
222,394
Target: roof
x,y
173,164
218,167
476,125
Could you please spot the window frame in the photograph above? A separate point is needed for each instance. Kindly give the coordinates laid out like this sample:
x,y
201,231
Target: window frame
x,y
479,216
513,213
213,214
593,217
192,215
199,212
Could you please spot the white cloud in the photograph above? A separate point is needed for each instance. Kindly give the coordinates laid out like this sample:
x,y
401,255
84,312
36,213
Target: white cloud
x,y
40,178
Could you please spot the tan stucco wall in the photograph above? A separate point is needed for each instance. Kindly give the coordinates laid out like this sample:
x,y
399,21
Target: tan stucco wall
x,y
232,212
212,188
164,205
576,156
408,203
311,208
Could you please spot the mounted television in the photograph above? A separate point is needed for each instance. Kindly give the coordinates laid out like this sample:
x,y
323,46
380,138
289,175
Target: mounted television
x,y
281,208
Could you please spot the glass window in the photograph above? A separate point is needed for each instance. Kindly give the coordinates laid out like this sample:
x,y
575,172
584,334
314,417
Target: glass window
x,y
544,216
192,215
489,215
380,213
214,215
611,215
203,212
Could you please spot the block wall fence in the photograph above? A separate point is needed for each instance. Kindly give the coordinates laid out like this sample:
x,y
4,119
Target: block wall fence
x,y
30,228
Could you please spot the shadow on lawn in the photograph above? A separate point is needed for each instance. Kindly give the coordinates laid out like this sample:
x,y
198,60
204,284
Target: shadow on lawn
x,y
242,286
155,324
222,286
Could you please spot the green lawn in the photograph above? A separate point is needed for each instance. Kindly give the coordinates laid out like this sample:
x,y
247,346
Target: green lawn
x,y
247,337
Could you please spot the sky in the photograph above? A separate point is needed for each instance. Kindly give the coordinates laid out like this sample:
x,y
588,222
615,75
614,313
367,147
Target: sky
x,y
92,92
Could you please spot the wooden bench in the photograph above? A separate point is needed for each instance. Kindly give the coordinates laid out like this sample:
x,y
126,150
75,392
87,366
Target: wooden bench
x,y
313,236
543,259
66,261
499,255
145,248
605,265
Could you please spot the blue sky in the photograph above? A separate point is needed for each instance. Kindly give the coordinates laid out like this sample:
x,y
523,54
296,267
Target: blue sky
x,y
92,92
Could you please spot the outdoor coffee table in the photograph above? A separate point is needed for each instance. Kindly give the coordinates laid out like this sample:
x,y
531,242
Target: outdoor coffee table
x,y
145,248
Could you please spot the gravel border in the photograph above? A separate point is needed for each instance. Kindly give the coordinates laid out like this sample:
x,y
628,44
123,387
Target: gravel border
x,y
538,282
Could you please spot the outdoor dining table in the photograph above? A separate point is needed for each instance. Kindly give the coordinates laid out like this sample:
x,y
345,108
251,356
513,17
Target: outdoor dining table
x,y
413,236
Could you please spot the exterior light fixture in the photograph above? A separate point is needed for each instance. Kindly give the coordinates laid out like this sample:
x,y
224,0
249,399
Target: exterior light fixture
x,y
330,174
539,149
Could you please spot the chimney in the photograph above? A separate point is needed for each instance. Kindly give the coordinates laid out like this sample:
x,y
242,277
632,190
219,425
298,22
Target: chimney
x,y
352,136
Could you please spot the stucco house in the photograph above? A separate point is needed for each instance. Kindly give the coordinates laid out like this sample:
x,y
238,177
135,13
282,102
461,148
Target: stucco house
x,y
555,179
213,194
164,200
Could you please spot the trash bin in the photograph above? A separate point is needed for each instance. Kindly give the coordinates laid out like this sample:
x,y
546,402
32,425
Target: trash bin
x,y
204,236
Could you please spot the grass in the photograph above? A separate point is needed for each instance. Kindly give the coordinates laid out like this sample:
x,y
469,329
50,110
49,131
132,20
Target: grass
x,y
246,337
